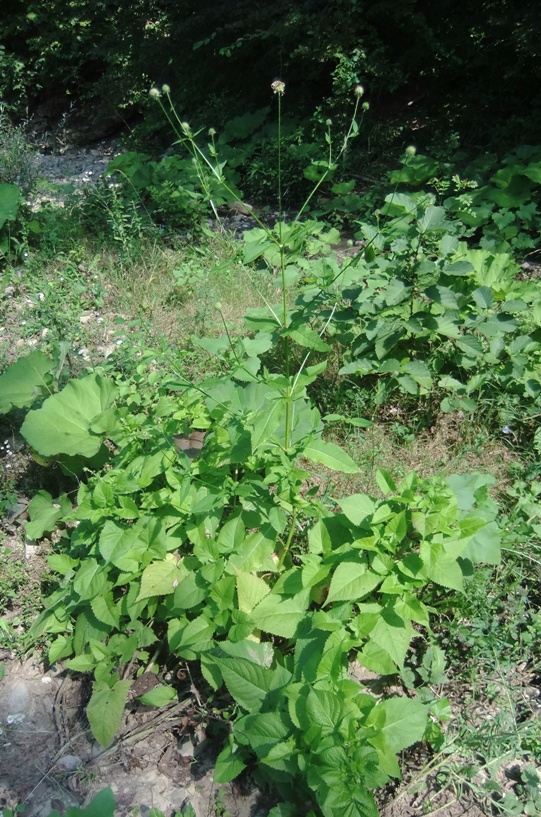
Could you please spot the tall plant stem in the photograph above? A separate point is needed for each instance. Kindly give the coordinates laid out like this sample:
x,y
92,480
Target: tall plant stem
x,y
287,436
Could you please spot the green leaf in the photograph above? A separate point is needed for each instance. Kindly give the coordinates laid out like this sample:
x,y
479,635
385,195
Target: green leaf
x,y
25,380
190,639
265,424
161,578
441,567
404,722
105,710
281,616
10,200
248,683
393,634
307,337
160,695
255,553
330,455
102,805
121,546
62,424
105,609
250,591
483,297
229,764
90,579
358,507
351,582
44,513
386,483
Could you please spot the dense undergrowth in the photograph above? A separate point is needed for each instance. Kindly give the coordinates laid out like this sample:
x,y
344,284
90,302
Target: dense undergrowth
x,y
211,508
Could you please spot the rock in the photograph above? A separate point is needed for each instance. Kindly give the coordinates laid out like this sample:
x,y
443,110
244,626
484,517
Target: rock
x,y
69,763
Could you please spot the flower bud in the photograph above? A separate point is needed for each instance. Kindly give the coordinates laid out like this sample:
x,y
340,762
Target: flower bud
x,y
359,91
186,128
365,106
328,122
166,89
212,132
218,306
411,151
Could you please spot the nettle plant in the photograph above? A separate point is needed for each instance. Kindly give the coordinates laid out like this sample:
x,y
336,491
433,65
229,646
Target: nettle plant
x,y
206,538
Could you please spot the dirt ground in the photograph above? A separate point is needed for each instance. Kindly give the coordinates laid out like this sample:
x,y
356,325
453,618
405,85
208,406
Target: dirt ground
x,y
48,759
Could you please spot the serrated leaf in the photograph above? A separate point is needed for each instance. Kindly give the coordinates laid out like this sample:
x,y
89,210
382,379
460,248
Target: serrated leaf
x,y
121,546
404,723
248,683
105,709
441,567
307,337
358,507
90,579
250,591
281,616
160,578
393,634
255,553
330,455
105,609
483,297
351,582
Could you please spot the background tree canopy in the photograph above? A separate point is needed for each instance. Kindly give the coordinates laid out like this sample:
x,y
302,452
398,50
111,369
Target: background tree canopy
x,y
473,66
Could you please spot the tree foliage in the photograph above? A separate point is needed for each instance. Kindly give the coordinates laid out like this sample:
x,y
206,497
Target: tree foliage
x,y
458,61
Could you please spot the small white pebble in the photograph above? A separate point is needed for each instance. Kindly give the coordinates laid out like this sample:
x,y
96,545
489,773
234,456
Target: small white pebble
x,y
46,679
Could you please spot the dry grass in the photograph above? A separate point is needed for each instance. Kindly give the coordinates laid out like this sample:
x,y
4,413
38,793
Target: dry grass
x,y
450,446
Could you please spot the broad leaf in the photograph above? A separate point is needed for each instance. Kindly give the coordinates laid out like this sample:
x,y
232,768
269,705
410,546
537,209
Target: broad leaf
x,y
62,424
248,683
160,695
281,616
352,582
25,380
330,455
161,578
105,709
229,764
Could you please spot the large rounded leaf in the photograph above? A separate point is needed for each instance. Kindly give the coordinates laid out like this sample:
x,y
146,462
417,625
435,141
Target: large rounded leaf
x,y
25,380
62,424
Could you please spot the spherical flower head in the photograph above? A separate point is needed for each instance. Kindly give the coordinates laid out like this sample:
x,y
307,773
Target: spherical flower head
x,y
212,132
328,122
154,93
358,91
278,87
365,106
218,306
166,89
411,151
185,128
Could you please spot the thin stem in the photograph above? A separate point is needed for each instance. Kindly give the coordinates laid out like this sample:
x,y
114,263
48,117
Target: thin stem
x,y
287,545
286,342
